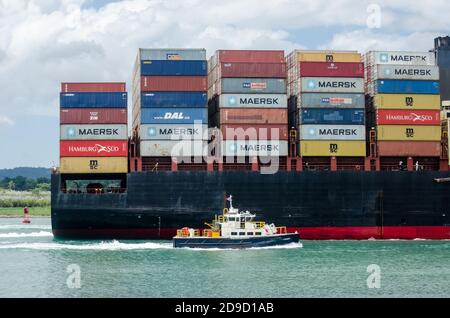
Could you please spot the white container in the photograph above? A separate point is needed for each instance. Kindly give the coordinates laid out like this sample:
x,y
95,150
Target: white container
x,y
249,148
174,149
332,132
332,85
400,58
253,100
93,132
173,132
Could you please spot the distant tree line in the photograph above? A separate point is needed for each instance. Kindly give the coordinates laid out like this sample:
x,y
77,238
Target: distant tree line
x,y
25,184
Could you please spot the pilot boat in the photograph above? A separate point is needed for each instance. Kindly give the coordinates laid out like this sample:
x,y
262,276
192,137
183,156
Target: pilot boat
x,y
234,229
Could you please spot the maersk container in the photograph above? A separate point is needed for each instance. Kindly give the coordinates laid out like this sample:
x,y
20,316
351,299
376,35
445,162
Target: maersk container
x,y
332,132
174,116
174,99
173,148
332,85
174,68
92,87
406,72
327,100
174,84
400,58
93,132
318,116
174,132
253,100
249,148
94,100
172,54
407,87
252,85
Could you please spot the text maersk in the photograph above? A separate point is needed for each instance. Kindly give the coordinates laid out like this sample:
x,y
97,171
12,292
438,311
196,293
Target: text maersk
x,y
98,132
412,72
338,132
269,148
337,84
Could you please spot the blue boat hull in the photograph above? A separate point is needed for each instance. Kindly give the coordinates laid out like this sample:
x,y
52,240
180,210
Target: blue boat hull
x,y
238,243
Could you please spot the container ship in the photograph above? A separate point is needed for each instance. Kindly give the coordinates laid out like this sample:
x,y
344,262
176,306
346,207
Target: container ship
x,y
332,144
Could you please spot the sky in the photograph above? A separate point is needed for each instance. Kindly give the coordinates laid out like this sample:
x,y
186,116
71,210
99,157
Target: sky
x,y
46,42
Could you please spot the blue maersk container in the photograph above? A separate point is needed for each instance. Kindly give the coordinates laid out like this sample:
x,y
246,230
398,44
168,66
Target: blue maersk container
x,y
174,116
407,87
93,100
174,68
321,116
174,99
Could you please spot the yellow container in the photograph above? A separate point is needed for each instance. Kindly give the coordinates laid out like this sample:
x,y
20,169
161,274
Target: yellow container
x,y
403,101
333,148
409,133
94,165
328,56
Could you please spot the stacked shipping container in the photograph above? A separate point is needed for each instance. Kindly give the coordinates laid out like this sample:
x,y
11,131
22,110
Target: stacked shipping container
x,y
403,89
93,130
170,102
247,100
326,90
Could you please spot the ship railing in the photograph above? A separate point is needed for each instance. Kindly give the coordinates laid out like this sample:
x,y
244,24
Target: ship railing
x,y
94,191
207,233
281,230
186,233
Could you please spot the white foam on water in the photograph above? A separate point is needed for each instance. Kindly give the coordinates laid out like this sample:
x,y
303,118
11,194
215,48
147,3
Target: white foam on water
x,y
106,246
25,226
279,247
33,234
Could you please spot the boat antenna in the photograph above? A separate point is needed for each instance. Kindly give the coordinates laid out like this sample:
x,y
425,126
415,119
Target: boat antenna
x,y
230,198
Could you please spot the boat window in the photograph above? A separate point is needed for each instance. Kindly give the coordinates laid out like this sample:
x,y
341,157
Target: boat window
x,y
233,233
231,219
257,233
241,233
249,233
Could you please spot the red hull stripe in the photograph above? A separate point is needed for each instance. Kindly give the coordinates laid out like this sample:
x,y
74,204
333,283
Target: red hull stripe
x,y
307,233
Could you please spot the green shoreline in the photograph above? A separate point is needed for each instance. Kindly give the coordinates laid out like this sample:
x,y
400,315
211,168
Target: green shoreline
x,y
18,212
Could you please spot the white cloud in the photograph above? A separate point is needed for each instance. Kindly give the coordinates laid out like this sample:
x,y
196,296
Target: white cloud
x,y
6,121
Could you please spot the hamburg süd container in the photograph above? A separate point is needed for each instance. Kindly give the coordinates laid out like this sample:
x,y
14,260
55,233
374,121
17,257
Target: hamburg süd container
x,y
173,148
253,100
407,101
400,58
93,116
93,87
409,148
174,99
261,148
174,68
332,85
172,54
250,85
93,165
93,100
330,100
332,132
335,148
406,132
326,56
325,116
406,87
405,72
261,70
93,148
408,117
331,69
174,115
254,132
173,132
93,132
253,116
173,84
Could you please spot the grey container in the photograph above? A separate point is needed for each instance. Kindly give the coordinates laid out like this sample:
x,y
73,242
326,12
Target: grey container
x,y
252,86
170,148
172,54
332,85
330,100
332,132
253,100
94,132
405,72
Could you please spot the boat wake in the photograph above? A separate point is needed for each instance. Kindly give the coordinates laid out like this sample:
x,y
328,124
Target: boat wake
x,y
106,246
279,247
25,226
33,234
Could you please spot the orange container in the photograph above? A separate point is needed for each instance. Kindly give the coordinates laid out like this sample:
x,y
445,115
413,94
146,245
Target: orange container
x,y
253,116
409,148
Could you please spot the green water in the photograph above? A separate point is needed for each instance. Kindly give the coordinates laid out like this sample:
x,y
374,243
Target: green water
x,y
34,264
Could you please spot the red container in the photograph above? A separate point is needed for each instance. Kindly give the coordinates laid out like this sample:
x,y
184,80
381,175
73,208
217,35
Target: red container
x,y
174,83
409,148
268,70
250,56
254,132
92,148
93,87
408,117
93,116
325,69
253,116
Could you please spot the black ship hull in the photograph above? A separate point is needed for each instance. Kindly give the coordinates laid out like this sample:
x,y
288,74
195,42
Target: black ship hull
x,y
319,205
